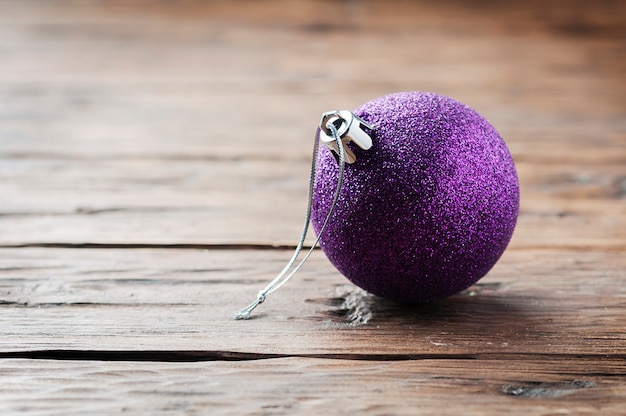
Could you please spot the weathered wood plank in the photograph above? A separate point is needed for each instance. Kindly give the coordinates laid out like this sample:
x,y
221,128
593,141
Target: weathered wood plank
x,y
571,224
198,78
313,386
180,194
148,201
569,302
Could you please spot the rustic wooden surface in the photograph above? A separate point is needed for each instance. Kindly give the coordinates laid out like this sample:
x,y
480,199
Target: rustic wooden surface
x,y
153,167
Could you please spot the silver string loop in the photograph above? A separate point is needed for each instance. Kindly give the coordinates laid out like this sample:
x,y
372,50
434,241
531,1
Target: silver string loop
x,y
338,145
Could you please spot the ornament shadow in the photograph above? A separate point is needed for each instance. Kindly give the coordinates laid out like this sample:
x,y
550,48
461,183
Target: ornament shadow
x,y
485,313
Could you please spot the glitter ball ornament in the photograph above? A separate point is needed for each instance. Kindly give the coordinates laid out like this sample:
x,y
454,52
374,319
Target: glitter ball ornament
x,y
428,209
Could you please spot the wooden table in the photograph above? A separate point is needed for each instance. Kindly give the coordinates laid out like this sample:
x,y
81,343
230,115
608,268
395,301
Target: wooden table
x,y
154,161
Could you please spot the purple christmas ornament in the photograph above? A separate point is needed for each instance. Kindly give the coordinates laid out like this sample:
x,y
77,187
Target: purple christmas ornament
x,y
428,209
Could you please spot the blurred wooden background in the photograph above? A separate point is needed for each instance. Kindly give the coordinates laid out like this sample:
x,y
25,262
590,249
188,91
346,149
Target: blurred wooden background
x,y
153,170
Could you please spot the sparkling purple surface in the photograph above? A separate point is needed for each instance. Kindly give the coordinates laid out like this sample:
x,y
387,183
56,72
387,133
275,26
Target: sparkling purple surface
x,y
429,209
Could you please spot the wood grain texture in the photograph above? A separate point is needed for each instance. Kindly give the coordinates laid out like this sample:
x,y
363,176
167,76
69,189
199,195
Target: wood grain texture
x,y
315,386
153,167
559,302
147,123
131,201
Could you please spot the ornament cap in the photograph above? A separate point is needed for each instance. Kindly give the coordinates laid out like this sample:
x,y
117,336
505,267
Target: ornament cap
x,y
350,129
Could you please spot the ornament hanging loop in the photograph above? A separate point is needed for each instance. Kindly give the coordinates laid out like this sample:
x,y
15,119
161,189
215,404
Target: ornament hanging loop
x,y
286,274
335,130
349,127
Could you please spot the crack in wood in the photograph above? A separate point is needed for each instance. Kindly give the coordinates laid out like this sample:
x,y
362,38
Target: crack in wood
x,y
208,355
545,389
44,305
126,355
